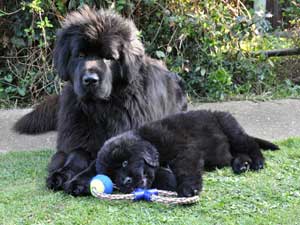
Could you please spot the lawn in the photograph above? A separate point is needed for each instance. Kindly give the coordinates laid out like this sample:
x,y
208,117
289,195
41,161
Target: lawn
x,y
271,196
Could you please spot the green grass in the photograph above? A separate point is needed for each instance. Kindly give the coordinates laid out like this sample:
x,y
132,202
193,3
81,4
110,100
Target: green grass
x,y
271,196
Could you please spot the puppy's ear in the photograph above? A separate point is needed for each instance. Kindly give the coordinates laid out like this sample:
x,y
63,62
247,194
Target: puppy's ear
x,y
61,55
150,156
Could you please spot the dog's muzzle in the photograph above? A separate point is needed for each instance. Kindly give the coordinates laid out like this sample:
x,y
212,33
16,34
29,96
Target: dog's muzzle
x,y
90,79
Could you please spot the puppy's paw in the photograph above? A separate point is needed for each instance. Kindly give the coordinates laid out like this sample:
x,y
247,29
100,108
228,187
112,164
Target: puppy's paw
x,y
55,181
257,164
165,180
187,190
241,164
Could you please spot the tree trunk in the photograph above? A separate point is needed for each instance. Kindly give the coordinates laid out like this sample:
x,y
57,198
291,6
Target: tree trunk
x,y
273,7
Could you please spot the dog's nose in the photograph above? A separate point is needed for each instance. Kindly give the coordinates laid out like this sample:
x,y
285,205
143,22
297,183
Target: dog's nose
x,y
127,180
90,79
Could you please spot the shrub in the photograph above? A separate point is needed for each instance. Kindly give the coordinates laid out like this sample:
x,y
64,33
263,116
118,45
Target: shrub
x,y
203,41
26,72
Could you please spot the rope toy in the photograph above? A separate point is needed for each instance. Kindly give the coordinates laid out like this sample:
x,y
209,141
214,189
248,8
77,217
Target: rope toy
x,y
101,187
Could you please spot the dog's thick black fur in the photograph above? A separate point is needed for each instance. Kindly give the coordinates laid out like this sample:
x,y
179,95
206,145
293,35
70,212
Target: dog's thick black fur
x,y
186,142
112,86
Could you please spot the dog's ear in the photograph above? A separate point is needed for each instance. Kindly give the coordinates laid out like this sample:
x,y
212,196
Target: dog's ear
x,y
131,57
151,156
61,55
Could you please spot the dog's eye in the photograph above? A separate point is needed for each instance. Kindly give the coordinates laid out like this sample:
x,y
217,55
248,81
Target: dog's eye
x,y
125,163
81,54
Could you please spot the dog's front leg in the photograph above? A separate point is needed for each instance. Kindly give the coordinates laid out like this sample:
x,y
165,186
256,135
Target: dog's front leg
x,y
56,164
63,167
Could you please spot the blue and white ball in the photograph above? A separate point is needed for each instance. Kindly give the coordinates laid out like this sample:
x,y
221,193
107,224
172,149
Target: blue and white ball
x,y
101,184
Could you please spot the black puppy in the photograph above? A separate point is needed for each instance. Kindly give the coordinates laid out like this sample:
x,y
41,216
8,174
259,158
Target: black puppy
x,y
186,142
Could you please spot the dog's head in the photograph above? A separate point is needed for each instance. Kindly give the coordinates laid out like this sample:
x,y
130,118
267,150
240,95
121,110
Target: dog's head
x,y
94,49
129,160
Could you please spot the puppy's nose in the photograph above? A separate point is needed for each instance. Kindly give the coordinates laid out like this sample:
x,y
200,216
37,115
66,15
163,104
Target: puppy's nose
x,y
90,79
127,180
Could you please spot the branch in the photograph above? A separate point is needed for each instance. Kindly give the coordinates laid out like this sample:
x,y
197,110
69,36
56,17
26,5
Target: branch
x,y
278,52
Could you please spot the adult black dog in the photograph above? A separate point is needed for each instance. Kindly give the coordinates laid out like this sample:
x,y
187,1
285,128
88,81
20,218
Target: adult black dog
x,y
112,86
188,143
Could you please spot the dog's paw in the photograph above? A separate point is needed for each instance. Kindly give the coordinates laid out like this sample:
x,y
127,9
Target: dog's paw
x,y
257,164
55,181
75,189
165,180
187,190
241,165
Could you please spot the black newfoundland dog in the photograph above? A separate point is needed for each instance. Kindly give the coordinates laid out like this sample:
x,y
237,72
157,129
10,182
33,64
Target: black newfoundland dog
x,y
188,143
112,87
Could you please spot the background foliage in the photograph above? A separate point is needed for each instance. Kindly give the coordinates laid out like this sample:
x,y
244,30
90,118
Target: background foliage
x,y
208,42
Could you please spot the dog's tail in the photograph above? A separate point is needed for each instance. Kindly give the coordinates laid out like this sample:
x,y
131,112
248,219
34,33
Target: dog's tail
x,y
266,145
42,119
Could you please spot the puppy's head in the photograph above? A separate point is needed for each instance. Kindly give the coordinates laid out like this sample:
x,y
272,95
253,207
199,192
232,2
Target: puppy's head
x,y
129,160
95,50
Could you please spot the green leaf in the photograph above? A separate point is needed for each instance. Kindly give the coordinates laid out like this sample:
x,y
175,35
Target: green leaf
x,y
203,71
197,69
10,89
8,78
21,91
160,54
